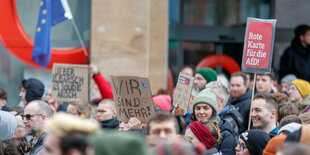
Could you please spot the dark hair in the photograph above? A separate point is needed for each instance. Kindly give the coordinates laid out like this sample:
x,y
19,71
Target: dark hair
x,y
300,30
243,75
287,109
13,146
270,100
162,116
74,141
3,94
271,74
289,119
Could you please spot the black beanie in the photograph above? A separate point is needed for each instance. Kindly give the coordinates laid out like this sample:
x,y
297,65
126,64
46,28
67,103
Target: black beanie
x,y
256,140
34,89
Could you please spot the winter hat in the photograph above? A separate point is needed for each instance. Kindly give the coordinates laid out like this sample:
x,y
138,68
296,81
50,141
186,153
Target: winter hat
x,y
34,89
302,86
273,145
118,144
205,96
255,140
163,102
208,73
8,125
288,78
203,134
292,127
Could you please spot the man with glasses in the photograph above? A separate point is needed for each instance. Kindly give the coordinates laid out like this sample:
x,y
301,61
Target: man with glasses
x,y
35,114
299,91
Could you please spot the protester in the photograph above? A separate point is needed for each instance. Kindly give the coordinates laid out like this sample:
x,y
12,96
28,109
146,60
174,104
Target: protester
x,y
280,98
299,93
103,85
273,145
118,144
264,113
133,124
8,124
252,142
286,81
188,69
162,126
287,109
289,119
14,147
203,76
79,108
289,128
106,114
227,112
300,136
175,148
67,134
264,83
207,133
31,89
20,131
162,102
241,97
293,149
55,105
35,114
295,59
305,118
205,108
3,100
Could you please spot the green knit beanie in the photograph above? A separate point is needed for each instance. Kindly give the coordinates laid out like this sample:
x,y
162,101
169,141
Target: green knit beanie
x,y
118,144
205,96
208,73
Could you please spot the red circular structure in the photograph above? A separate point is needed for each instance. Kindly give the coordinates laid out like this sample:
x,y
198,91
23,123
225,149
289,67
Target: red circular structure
x,y
17,41
219,60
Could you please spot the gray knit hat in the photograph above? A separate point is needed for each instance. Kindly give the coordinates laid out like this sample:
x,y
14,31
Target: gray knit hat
x,y
292,127
206,96
288,78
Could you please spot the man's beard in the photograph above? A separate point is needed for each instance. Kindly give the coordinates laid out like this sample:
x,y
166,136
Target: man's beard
x,y
34,130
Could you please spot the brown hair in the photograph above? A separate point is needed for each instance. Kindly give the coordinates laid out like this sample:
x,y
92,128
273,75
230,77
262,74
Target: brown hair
x,y
243,75
214,129
162,116
287,109
305,117
270,100
280,97
289,119
3,94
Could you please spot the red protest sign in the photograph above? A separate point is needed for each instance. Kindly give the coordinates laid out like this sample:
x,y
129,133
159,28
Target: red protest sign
x,y
258,46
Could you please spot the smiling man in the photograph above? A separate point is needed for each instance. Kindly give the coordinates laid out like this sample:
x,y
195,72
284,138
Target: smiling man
x,y
264,113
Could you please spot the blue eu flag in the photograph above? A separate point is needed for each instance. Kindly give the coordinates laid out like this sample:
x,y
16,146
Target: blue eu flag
x,y
51,12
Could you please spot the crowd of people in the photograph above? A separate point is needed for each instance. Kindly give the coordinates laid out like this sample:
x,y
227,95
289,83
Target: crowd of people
x,y
220,119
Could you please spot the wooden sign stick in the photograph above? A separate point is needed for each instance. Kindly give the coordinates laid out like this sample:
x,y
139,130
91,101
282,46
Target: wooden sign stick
x,y
253,89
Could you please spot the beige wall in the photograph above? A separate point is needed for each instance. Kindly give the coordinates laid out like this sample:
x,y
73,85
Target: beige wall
x,y
130,37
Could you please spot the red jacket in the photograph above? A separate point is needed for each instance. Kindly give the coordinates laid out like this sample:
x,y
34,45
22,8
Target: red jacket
x,y
104,87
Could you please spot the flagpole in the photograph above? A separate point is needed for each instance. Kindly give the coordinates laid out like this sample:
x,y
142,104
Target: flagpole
x,y
79,37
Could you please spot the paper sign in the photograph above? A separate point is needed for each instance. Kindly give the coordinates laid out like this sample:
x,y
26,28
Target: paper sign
x,y
183,91
70,82
258,46
133,97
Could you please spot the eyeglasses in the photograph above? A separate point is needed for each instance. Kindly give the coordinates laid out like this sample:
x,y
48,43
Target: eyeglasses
x,y
101,111
28,116
242,146
292,88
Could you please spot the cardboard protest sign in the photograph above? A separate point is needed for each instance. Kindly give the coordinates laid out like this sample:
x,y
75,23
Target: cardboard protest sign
x,y
133,97
258,46
183,91
70,82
